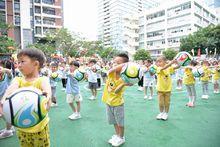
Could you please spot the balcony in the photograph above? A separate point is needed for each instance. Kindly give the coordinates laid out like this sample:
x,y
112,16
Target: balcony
x,y
2,5
161,37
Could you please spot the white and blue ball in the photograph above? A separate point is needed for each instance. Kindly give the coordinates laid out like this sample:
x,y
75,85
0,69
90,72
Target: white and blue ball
x,y
25,108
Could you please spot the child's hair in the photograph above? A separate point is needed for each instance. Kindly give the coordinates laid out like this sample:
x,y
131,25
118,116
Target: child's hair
x,y
124,56
53,64
149,61
34,54
162,57
92,61
75,63
193,63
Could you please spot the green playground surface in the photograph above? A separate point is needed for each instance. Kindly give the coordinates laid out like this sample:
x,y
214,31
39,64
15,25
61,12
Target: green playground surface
x,y
185,127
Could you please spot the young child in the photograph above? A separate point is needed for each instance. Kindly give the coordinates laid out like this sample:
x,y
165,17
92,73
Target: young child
x,y
205,79
148,80
179,78
29,63
73,91
216,76
189,81
53,82
5,78
92,78
63,71
113,97
164,85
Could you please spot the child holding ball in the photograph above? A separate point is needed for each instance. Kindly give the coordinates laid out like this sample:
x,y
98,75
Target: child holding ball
x,y
30,61
164,85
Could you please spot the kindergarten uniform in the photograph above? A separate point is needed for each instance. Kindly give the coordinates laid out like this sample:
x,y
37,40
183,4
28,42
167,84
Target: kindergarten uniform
x,y
4,83
39,134
164,86
205,80
114,101
148,79
189,81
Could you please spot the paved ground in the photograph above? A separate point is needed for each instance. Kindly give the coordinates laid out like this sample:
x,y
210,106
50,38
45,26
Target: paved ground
x,y
186,127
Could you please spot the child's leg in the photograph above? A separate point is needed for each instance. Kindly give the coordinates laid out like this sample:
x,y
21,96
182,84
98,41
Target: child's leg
x,y
206,88
78,106
95,92
188,89
203,88
167,101
69,100
53,90
151,91
161,101
145,90
193,94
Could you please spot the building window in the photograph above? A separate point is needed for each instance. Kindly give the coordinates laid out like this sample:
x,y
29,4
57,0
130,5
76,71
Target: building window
x,y
17,19
38,30
37,9
50,11
2,4
17,7
50,2
38,20
49,21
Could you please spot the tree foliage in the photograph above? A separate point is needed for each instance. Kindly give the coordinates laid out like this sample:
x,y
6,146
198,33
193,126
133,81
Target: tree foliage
x,y
141,54
169,53
208,37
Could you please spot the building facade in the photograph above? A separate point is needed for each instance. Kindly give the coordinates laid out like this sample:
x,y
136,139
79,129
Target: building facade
x,y
31,19
111,17
163,27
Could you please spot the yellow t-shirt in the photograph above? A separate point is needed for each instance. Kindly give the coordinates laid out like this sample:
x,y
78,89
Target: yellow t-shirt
x,y
37,84
207,73
188,78
109,96
164,82
216,74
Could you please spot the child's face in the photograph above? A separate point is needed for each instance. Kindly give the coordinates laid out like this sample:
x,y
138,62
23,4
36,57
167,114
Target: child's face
x,y
118,61
53,68
160,62
27,66
72,68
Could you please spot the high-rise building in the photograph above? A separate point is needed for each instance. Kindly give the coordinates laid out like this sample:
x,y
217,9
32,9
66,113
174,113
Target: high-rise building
x,y
164,26
111,14
31,19
213,3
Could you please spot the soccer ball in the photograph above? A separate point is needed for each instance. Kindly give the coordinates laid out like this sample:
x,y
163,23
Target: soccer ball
x,y
152,70
183,58
198,72
25,108
131,73
54,75
79,75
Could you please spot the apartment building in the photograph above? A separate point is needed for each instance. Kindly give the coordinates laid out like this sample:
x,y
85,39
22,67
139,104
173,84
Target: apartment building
x,y
164,26
112,14
31,19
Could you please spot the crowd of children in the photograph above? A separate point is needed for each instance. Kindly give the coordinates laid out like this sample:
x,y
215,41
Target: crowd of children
x,y
30,71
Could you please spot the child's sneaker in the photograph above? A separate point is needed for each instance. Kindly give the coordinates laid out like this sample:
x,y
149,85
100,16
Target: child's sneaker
x,y
150,98
164,116
63,89
112,139
140,88
191,105
77,116
145,97
6,133
72,116
118,141
54,104
203,96
92,98
160,115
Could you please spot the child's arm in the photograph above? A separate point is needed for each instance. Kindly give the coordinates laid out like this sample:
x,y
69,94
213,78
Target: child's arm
x,y
116,69
46,89
14,85
119,88
7,71
169,64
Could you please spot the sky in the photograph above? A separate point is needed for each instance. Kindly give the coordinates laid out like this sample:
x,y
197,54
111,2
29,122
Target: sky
x,y
81,16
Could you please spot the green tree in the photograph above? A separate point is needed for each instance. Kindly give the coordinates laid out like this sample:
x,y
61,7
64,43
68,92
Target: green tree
x,y
7,44
169,53
108,53
141,54
208,37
